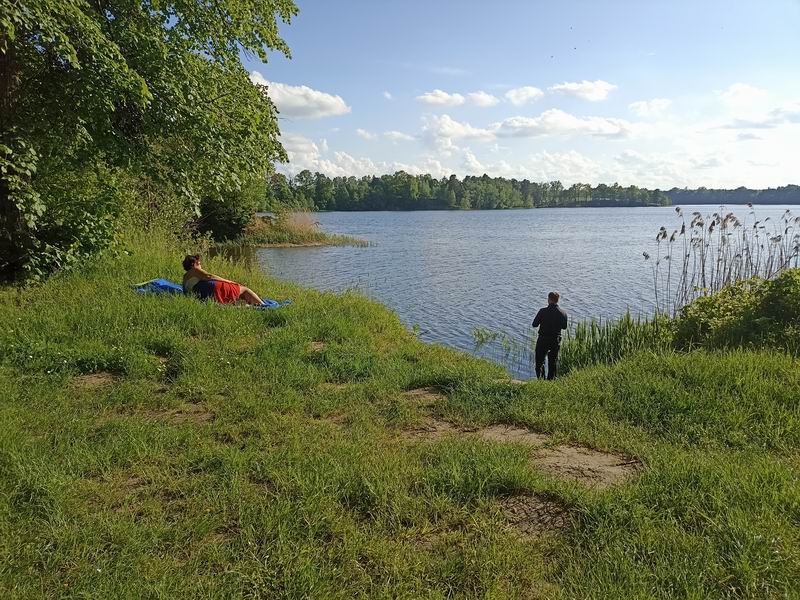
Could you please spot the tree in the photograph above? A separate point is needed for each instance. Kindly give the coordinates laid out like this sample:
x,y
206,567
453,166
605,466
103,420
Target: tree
x,y
129,91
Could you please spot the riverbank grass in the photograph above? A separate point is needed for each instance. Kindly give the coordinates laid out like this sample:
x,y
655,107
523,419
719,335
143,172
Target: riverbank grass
x,y
288,230
166,447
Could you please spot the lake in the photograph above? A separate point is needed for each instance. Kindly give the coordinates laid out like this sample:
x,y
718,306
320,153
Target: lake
x,y
450,272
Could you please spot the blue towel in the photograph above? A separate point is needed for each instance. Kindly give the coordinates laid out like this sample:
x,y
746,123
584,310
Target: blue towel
x,y
267,303
158,286
164,286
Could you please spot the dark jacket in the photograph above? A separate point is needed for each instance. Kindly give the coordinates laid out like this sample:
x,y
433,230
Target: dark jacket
x,y
550,320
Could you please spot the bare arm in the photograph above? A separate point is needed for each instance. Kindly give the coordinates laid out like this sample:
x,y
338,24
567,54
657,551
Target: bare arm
x,y
205,275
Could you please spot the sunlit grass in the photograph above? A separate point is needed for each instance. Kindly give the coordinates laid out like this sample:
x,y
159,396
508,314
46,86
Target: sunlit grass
x,y
292,229
226,456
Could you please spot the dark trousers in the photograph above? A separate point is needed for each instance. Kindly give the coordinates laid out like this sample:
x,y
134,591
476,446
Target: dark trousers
x,y
548,346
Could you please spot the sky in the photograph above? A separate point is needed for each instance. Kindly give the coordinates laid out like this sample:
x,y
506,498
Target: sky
x,y
650,93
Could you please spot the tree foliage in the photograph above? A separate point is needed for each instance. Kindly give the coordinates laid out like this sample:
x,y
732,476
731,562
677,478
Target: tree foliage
x,y
787,194
402,191
131,93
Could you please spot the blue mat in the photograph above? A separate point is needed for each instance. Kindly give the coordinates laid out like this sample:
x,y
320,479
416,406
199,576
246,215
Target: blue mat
x,y
267,303
165,286
158,286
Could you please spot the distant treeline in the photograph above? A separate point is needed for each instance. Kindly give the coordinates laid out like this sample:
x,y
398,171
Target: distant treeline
x,y
787,194
401,191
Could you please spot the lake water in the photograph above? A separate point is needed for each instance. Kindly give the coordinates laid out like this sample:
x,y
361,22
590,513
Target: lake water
x,y
450,272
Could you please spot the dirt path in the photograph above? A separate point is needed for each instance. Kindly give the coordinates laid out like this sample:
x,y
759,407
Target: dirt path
x,y
593,468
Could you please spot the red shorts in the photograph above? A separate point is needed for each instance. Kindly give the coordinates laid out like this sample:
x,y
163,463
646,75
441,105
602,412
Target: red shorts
x,y
226,293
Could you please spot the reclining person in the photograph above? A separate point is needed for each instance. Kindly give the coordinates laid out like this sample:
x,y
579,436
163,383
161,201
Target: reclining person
x,y
204,285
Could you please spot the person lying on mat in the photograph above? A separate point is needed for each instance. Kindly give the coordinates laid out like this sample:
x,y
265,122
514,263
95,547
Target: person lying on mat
x,y
204,285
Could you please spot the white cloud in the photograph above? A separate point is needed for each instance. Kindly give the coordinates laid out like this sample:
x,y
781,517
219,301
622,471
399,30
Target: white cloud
x,y
301,101
568,167
366,135
523,95
323,145
397,136
305,154
746,104
387,95
787,114
441,98
472,164
747,136
483,99
663,170
650,108
446,128
743,95
556,121
594,91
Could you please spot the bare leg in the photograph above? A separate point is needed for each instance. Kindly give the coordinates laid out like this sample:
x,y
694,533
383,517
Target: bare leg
x,y
249,296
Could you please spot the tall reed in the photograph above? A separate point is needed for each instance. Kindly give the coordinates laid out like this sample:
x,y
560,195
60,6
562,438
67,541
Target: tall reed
x,y
604,342
707,253
588,343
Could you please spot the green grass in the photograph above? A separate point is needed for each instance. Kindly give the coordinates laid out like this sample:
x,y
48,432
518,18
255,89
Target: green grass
x,y
222,461
291,229
283,237
606,342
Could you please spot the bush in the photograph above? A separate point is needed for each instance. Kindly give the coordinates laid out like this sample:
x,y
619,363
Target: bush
x,y
753,313
226,216
80,215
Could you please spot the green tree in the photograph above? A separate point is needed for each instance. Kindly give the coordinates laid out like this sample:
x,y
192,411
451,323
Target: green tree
x,y
129,91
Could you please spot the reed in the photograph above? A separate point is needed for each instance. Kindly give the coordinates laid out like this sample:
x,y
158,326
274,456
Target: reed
x,y
298,228
589,343
708,253
606,342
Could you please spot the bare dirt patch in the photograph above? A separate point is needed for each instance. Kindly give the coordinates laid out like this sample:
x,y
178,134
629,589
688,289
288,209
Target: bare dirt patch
x,y
424,397
93,380
433,428
590,467
509,433
530,514
316,346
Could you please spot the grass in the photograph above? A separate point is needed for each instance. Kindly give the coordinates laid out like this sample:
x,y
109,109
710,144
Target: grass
x,y
223,456
606,342
291,229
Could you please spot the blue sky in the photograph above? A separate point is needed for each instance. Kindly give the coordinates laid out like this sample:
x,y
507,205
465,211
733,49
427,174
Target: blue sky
x,y
648,93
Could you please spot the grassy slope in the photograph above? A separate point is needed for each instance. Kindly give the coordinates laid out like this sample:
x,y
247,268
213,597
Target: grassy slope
x,y
294,229
134,490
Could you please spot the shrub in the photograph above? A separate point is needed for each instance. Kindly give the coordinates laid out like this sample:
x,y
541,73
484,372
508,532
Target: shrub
x,y
227,215
753,313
